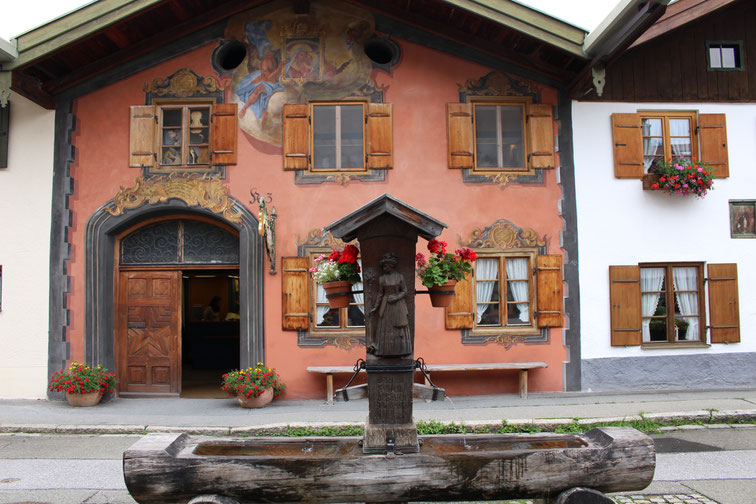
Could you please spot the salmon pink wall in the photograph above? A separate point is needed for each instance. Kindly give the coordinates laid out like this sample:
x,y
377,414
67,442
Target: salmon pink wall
x,y
419,88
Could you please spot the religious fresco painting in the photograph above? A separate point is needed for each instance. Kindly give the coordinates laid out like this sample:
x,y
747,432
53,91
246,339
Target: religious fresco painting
x,y
298,58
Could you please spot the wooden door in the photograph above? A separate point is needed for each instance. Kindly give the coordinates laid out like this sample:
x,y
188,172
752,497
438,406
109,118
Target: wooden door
x,y
148,332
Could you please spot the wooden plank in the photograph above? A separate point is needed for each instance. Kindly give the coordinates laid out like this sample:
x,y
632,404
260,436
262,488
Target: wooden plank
x,y
295,292
460,135
625,300
724,312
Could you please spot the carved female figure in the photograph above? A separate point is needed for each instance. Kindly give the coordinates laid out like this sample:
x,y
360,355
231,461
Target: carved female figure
x,y
392,334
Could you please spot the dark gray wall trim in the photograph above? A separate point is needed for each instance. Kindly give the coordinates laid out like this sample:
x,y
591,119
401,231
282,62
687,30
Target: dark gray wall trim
x,y
569,242
102,229
60,250
670,372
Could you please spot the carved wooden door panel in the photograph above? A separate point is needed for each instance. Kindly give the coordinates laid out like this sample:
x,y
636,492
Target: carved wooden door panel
x,y
148,332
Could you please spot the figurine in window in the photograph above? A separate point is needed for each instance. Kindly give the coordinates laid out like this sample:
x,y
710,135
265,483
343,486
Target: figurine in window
x,y
171,156
392,334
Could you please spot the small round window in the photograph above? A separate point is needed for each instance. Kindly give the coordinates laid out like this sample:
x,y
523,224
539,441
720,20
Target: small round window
x,y
228,55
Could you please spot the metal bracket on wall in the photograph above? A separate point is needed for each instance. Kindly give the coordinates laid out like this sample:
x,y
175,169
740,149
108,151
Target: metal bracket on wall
x,y
267,229
598,71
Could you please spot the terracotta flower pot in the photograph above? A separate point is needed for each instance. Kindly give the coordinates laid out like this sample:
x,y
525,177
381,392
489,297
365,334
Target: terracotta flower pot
x,y
256,402
83,400
441,295
338,293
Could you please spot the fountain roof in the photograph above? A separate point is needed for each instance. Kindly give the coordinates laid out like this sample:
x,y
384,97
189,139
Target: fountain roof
x,y
346,228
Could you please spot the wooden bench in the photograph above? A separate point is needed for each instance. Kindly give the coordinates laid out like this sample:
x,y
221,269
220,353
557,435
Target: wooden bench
x,y
523,367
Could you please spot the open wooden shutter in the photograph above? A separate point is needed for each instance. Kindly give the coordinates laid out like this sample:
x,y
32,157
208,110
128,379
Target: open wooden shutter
x,y
459,315
379,152
724,320
627,136
295,304
224,134
625,299
460,129
712,137
296,137
549,311
540,136
142,136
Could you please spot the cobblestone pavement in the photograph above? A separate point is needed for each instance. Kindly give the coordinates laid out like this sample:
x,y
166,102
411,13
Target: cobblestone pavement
x,y
692,498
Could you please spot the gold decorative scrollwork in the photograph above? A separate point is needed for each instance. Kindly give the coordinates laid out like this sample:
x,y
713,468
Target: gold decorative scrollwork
x,y
343,342
319,238
505,340
501,179
497,84
504,235
183,83
340,178
202,191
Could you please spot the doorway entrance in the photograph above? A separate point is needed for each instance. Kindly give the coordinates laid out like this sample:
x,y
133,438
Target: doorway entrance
x,y
177,307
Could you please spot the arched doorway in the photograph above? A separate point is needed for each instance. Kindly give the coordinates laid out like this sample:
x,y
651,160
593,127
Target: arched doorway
x,y
176,306
103,267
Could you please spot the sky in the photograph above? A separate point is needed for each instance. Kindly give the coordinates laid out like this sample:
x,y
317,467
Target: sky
x,y
19,16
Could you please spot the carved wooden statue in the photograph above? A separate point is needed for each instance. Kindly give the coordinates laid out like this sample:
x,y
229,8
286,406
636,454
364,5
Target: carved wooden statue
x,y
392,334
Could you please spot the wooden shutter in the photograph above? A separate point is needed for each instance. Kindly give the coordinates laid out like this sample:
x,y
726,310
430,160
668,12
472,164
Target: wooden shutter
x,y
712,137
295,304
724,320
142,136
625,299
379,151
459,315
296,137
224,134
550,300
540,136
460,129
627,137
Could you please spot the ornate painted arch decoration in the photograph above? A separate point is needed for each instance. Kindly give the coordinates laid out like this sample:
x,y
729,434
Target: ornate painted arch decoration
x,y
503,235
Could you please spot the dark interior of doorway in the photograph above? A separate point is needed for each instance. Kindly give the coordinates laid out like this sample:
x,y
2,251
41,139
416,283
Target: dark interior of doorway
x,y
209,331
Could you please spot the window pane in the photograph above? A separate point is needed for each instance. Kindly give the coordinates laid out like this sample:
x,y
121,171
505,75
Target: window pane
x,y
352,120
327,317
207,244
715,57
172,137
171,117
652,127
355,316
154,244
324,137
518,307
511,132
728,57
171,156
686,303
486,136
489,316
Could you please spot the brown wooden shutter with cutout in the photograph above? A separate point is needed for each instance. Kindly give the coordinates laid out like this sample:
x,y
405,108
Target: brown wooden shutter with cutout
x,y
379,150
724,319
459,315
625,299
540,136
296,137
224,134
142,136
549,311
460,130
295,290
712,139
627,138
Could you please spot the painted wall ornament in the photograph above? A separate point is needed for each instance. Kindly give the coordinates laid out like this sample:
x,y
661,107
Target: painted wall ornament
x,y
295,58
502,235
496,83
183,83
200,191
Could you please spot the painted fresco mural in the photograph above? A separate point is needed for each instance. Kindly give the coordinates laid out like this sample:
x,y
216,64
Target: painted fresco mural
x,y
293,58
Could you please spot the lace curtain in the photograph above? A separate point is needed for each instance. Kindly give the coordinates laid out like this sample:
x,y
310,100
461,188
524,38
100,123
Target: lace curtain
x,y
686,279
518,269
651,280
485,269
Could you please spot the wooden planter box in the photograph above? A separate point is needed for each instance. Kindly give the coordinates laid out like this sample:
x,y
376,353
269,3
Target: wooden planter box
x,y
649,179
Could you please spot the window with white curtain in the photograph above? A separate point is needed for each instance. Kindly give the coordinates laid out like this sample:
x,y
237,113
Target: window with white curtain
x,y
503,291
667,135
327,318
671,302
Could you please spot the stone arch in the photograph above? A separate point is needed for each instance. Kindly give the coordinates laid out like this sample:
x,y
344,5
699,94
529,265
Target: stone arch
x,y
103,227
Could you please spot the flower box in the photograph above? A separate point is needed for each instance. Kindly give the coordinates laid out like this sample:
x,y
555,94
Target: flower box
x,y
649,179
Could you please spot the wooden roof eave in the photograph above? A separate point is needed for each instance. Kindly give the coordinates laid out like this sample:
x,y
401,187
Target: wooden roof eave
x,y
529,21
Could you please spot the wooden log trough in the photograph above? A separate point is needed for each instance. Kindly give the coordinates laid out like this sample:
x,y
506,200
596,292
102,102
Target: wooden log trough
x,y
173,468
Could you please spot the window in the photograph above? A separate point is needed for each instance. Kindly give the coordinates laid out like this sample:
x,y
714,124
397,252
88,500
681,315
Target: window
x,y
511,136
189,136
338,136
668,135
662,304
501,293
724,55
641,138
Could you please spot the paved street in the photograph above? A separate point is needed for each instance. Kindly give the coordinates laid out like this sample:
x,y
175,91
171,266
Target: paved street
x,y
696,466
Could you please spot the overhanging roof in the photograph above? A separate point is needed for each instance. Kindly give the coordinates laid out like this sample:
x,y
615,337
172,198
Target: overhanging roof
x,y
107,33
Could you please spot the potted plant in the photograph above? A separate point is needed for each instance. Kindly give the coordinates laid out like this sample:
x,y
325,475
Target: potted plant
x,y
253,387
84,385
337,273
442,270
680,176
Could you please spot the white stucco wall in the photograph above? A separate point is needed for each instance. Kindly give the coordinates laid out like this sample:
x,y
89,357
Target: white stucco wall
x,y
25,213
620,224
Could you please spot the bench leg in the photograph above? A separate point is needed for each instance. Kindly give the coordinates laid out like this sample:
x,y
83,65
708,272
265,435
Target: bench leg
x,y
524,383
329,389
